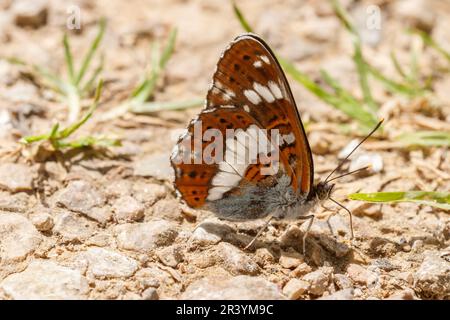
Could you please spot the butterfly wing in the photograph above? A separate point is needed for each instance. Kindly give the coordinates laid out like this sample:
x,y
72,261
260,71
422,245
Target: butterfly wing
x,y
249,76
249,92
200,175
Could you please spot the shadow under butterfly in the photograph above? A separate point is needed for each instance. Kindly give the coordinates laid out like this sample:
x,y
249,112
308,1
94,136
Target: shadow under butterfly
x,y
249,98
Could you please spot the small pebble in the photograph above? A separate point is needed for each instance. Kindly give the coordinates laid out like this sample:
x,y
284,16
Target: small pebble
x,y
127,209
30,13
342,281
290,260
42,221
361,275
295,288
318,280
345,294
150,294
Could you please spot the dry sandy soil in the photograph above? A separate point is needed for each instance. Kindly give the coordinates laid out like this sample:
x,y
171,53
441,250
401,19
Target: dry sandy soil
x,y
105,224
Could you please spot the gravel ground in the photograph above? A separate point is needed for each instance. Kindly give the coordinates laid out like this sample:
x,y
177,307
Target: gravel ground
x,y
106,224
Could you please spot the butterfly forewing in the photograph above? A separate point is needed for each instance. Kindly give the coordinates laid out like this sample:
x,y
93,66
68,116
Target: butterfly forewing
x,y
249,92
249,76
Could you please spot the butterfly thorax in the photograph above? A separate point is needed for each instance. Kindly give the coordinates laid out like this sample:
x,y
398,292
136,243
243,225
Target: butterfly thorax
x,y
321,191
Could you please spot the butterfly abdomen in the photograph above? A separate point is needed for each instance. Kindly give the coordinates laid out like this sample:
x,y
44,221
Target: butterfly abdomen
x,y
256,202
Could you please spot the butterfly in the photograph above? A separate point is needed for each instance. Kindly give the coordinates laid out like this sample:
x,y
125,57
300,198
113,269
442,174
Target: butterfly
x,y
214,163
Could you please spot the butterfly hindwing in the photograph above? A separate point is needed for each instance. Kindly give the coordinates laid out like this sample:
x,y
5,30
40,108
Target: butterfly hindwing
x,y
202,167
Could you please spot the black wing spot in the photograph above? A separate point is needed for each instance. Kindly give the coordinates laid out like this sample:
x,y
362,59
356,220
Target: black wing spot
x,y
246,57
192,174
274,118
237,67
232,79
222,120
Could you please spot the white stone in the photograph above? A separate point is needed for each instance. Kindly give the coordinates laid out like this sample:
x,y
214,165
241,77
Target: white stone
x,y
127,209
42,221
170,256
295,288
235,261
237,288
365,159
16,177
349,148
150,294
155,165
18,238
346,294
144,237
80,196
204,238
361,275
72,227
45,280
30,13
318,280
102,263
433,276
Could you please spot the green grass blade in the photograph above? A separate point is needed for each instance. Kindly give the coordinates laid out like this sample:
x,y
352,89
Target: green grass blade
x,y
89,84
168,49
145,89
343,101
397,65
395,87
358,57
53,81
429,41
90,141
158,62
340,91
94,46
436,199
362,69
414,74
54,131
237,12
305,81
426,138
74,127
161,106
31,139
69,58
349,105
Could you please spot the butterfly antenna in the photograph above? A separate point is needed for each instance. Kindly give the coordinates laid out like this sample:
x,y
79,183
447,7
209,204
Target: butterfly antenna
x,y
351,172
354,149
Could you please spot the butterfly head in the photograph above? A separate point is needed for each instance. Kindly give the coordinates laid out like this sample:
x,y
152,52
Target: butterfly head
x,y
324,190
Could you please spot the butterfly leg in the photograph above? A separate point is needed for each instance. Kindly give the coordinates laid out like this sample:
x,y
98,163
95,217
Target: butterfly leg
x,y
311,219
332,212
349,214
259,233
